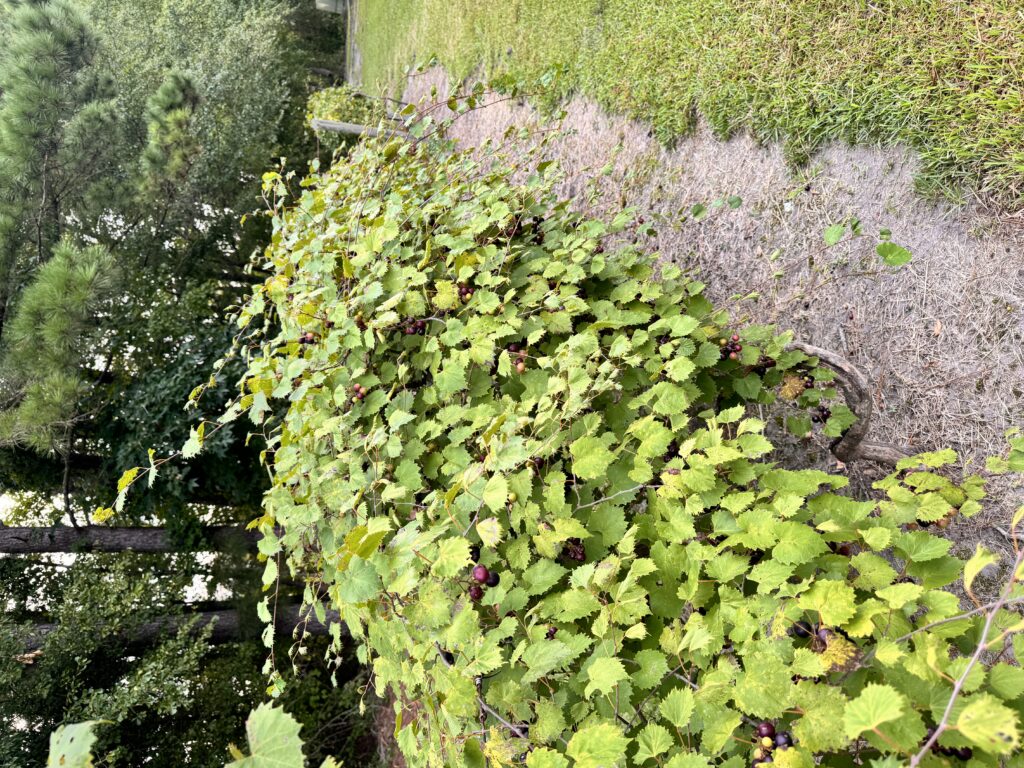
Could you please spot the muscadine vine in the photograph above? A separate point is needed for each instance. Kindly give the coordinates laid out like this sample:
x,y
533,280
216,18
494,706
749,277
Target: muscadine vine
x,y
524,461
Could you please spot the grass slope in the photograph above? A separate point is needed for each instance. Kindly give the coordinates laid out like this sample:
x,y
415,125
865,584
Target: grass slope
x,y
944,76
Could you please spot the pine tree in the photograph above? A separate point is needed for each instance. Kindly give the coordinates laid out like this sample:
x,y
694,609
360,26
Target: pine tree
x,y
171,146
57,123
47,339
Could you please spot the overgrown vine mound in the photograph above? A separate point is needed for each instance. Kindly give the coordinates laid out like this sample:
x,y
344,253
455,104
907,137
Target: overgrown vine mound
x,y
527,469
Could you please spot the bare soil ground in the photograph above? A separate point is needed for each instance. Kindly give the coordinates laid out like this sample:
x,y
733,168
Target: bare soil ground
x,y
941,338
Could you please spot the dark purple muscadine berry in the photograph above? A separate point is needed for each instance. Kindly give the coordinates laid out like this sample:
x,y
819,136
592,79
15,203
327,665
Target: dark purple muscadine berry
x,y
480,573
513,348
783,739
765,730
448,656
965,753
476,592
550,634
474,553
493,579
824,635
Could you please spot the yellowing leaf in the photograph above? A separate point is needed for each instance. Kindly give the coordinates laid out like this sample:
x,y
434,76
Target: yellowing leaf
x,y
102,514
71,745
981,559
989,724
489,531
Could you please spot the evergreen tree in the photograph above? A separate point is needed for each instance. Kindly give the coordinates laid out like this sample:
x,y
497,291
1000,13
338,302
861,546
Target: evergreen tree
x,y
49,340
57,122
119,248
172,146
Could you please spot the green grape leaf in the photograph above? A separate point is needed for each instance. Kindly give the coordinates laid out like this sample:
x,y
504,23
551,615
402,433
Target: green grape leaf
x,y
1007,682
496,493
719,727
545,758
654,740
604,674
597,746
677,707
835,602
877,704
274,741
591,457
763,688
653,668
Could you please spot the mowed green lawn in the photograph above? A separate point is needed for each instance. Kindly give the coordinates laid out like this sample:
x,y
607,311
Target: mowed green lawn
x,y
944,76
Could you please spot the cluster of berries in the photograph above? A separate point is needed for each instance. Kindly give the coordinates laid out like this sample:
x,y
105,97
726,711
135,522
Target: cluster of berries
x,y
766,740
961,753
358,393
573,550
731,347
307,338
360,322
820,636
821,415
538,232
414,326
808,382
518,351
845,549
465,291
764,364
481,575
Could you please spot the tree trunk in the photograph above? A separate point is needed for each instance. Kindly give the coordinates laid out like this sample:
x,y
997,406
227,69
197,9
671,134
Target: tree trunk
x,y
227,627
99,538
351,129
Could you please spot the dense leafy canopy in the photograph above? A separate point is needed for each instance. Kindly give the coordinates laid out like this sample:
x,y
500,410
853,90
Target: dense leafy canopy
x,y
132,136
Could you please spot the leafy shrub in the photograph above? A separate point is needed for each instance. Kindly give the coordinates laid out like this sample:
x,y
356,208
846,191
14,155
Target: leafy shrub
x,y
524,463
